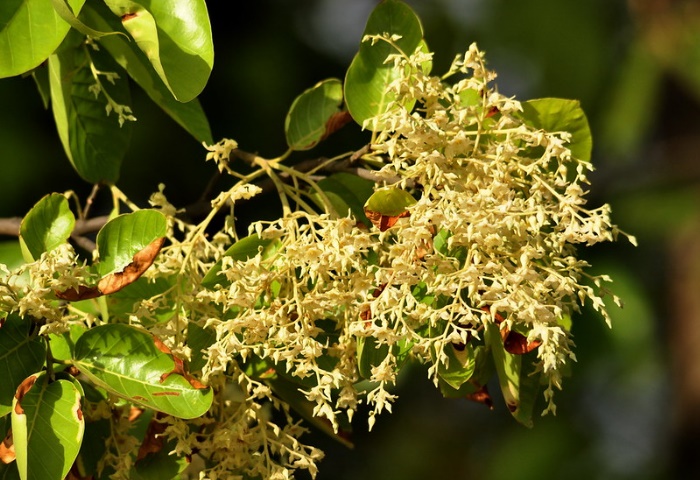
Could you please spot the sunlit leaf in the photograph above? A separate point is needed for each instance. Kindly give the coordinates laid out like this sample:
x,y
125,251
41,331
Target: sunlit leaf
x,y
125,236
387,205
47,427
460,365
561,115
176,38
368,76
508,369
47,225
30,31
188,115
128,362
308,120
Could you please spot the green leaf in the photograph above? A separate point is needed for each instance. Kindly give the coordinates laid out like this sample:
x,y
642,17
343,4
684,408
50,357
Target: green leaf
x,y
391,202
94,141
508,369
130,363
460,366
47,427
124,236
244,249
309,116
346,191
189,115
47,225
30,31
41,80
62,346
368,76
561,115
370,354
198,340
65,11
20,356
176,38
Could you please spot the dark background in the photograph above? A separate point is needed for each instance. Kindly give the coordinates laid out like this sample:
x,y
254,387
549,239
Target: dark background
x,y
632,407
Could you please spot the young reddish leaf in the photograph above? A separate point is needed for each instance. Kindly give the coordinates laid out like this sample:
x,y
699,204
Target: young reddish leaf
x,y
142,260
517,343
481,396
383,222
7,449
153,441
82,292
337,121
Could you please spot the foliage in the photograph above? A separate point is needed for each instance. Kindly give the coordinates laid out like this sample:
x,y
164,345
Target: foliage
x,y
448,239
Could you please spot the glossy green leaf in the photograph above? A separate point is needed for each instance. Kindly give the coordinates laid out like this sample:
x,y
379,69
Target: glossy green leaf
x,y
124,236
346,191
47,427
128,362
309,116
30,31
508,369
176,38
62,346
391,202
65,11
460,366
47,225
561,115
529,391
41,80
244,249
368,76
20,356
93,140
188,115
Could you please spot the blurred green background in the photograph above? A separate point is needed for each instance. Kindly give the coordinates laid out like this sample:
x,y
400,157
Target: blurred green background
x,y
631,410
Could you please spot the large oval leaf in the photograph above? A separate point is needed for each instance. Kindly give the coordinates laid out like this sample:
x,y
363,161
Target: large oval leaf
x,y
368,77
125,236
94,141
134,365
30,30
47,225
176,38
47,427
561,115
20,356
189,115
311,113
